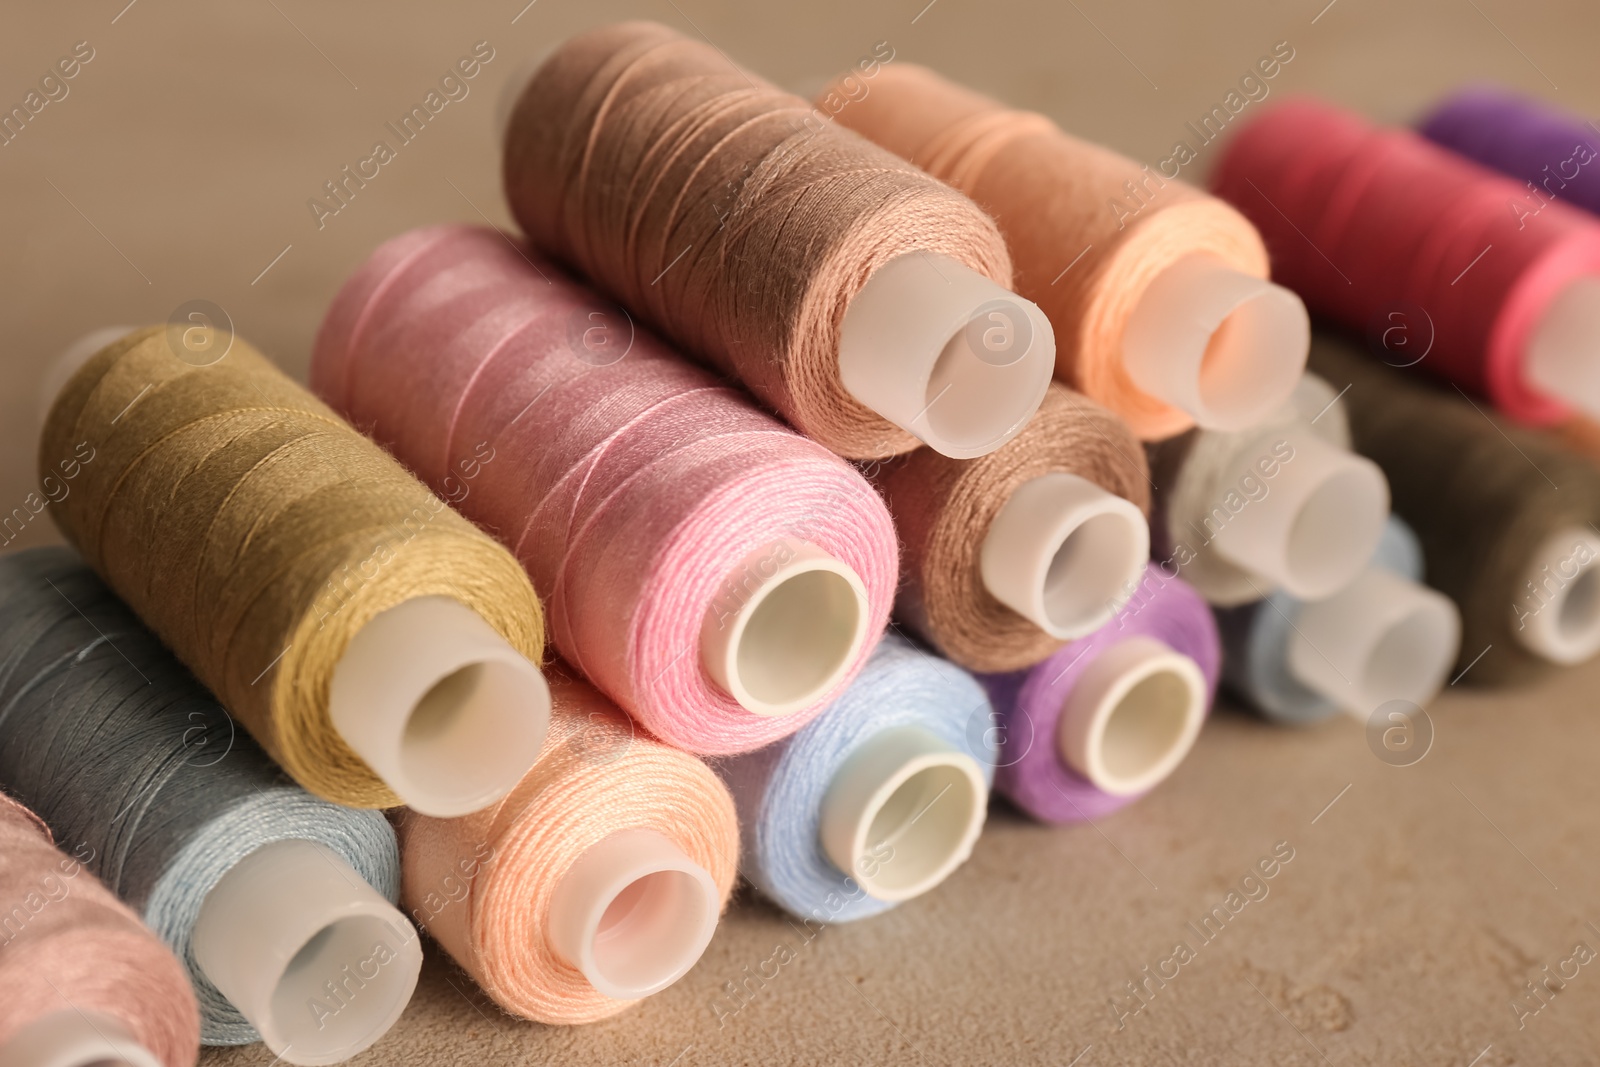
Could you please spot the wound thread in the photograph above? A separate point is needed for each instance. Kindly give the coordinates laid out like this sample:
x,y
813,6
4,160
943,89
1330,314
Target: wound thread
x,y
119,748
256,533
727,214
1029,704
1481,507
1366,223
1089,230
482,884
943,508
643,497
80,952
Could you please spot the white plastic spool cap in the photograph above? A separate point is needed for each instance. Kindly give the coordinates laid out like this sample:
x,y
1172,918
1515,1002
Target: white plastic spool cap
x,y
70,361
1223,346
1318,523
788,626
1557,614
1560,357
633,914
946,354
902,812
1133,716
439,705
74,1038
1064,554
1381,638
308,952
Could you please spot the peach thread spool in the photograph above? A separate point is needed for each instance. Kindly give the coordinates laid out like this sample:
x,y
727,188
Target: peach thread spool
x,y
861,300
82,982
716,574
1158,293
376,644
596,882
1008,556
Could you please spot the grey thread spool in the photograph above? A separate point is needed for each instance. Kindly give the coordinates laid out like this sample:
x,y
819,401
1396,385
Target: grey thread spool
x,y
1506,518
118,748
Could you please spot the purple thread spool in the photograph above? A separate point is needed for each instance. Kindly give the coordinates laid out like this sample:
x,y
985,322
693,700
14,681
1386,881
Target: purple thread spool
x,y
1107,717
1525,138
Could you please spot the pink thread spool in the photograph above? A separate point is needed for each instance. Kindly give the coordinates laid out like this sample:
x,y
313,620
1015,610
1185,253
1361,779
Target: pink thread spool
x,y
83,983
659,513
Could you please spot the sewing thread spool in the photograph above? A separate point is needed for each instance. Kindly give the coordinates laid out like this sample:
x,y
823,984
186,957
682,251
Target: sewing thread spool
x,y
1285,504
1516,553
374,642
277,902
82,983
1039,542
1158,293
864,302
715,573
1540,145
597,881
1110,716
877,800
1382,231
1383,637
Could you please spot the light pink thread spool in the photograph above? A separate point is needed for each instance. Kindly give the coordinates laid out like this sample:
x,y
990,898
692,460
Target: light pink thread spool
x,y
719,576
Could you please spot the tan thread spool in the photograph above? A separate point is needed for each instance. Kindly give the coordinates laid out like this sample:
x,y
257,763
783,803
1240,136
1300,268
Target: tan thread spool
x,y
257,533
1053,196
726,213
944,507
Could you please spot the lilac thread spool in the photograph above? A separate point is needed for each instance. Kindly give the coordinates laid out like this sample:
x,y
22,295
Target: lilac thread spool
x,y
1109,716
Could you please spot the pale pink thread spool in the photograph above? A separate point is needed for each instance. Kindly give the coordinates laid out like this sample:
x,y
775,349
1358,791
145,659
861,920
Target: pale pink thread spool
x,y
716,574
82,982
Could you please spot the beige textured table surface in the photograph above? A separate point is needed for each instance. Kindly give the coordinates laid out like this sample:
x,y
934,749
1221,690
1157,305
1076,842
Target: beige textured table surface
x,y
178,167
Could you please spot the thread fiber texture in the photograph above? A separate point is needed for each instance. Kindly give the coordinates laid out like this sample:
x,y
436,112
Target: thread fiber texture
x,y
481,885
779,790
1364,222
256,533
1547,148
943,508
1200,486
1480,507
1255,639
1028,704
1056,198
69,946
118,747
634,487
727,213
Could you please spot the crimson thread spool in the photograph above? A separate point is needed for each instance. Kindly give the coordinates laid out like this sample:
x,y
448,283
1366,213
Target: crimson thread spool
x,y
1158,293
1108,717
1506,518
1039,542
861,300
597,881
715,573
82,982
1283,505
375,643
1380,230
1382,638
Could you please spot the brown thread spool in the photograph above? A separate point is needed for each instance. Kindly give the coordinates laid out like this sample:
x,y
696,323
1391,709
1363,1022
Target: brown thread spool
x,y
851,292
1505,517
1091,559
287,561
1158,292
